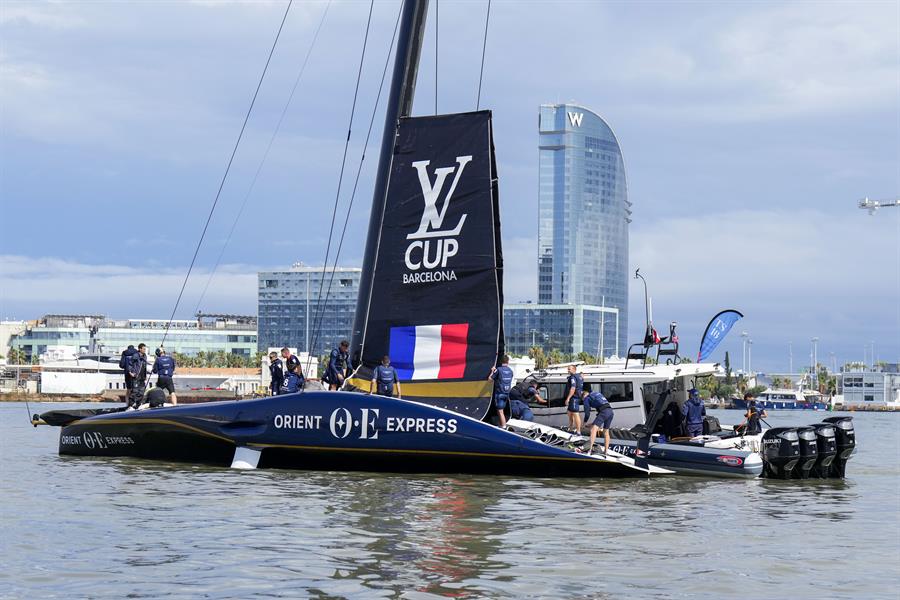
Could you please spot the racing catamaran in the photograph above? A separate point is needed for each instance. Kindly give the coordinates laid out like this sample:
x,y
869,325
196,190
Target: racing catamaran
x,y
431,297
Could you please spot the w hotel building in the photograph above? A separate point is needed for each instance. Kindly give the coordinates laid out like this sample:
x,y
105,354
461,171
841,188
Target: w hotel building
x,y
583,217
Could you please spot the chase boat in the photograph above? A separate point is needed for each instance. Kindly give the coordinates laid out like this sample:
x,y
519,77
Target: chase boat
x,y
647,401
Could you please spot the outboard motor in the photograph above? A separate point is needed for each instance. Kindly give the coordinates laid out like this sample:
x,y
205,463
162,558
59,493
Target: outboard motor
x,y
780,451
845,438
826,447
806,439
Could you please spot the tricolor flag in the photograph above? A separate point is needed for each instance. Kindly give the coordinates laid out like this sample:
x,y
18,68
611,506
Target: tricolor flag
x,y
429,351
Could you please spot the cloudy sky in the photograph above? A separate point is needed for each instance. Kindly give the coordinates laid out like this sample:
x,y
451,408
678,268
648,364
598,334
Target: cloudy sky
x,y
750,131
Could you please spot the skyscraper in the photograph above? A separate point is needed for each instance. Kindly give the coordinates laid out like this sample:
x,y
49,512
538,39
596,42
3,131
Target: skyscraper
x,y
584,214
289,301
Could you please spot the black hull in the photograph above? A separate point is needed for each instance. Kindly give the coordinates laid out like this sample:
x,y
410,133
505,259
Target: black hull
x,y
211,433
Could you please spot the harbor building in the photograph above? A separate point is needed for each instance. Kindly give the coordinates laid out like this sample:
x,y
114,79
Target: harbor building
x,y
869,388
62,337
583,218
289,301
569,328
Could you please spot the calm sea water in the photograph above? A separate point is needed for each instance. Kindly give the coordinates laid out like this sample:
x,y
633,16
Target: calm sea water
x,y
100,528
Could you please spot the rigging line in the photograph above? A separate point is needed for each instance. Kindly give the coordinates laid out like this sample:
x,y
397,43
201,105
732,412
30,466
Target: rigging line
x,y
265,155
437,13
483,49
337,195
387,62
227,169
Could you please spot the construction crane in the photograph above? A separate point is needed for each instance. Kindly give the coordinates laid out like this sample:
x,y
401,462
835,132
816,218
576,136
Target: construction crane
x,y
873,205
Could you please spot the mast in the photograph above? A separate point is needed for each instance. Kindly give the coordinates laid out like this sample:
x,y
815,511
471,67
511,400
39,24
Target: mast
x,y
403,87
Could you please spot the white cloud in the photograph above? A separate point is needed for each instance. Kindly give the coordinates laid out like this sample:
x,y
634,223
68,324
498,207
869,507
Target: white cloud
x,y
51,15
793,273
30,287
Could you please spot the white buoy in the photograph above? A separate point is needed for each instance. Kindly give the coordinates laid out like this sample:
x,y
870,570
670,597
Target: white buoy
x,y
245,458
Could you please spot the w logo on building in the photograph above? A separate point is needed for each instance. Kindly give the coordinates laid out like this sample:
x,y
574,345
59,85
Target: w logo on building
x,y
575,118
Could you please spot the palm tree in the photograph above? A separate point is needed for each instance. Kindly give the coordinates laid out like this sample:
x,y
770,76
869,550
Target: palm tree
x,y
537,353
16,356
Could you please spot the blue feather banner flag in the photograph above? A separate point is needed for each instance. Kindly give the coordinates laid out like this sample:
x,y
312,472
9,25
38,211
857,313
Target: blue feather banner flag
x,y
718,328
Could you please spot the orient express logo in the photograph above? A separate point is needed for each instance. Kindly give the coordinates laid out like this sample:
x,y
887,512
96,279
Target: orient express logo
x,y
432,246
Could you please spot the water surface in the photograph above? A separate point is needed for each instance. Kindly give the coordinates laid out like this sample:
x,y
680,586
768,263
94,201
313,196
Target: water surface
x,y
113,528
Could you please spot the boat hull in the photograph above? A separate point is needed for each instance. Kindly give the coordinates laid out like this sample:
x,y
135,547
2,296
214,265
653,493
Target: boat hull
x,y
689,459
329,430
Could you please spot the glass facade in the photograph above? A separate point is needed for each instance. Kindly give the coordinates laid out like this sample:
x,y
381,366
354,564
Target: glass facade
x,y
287,307
568,328
583,213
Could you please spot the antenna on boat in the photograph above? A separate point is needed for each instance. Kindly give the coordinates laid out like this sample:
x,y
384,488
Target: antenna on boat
x,y
403,87
649,318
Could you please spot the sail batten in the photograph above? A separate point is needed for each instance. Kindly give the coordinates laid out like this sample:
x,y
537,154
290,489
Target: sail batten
x,y
437,297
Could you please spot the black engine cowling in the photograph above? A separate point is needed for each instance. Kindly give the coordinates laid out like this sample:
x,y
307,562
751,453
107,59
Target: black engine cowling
x,y
806,440
827,449
780,451
845,438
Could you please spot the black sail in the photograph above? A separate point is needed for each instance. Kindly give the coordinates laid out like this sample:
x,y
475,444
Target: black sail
x,y
436,301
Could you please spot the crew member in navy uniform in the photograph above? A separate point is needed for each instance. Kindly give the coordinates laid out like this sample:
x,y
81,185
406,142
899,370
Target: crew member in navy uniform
x,y
693,412
276,370
503,382
337,366
293,381
164,367
385,377
752,416
575,387
519,396
123,364
291,362
137,368
604,418
157,397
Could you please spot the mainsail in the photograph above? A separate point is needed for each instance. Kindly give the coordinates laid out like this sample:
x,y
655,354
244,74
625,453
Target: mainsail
x,y
436,299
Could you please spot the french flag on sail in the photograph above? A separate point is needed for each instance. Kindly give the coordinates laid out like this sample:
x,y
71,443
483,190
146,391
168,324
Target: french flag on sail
x,y
429,351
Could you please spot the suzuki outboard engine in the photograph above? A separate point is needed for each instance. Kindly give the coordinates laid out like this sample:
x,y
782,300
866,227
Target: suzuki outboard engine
x,y
806,439
826,447
845,436
780,451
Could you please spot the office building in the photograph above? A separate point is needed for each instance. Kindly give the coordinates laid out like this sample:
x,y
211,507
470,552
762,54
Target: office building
x,y
569,328
296,307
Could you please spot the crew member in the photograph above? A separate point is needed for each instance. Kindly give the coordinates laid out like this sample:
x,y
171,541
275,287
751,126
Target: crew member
x,y
502,377
519,396
276,370
575,387
293,381
385,377
337,366
604,418
752,416
164,367
123,364
157,397
693,412
291,362
137,368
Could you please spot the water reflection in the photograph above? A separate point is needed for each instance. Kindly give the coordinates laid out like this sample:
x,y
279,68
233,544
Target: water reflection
x,y
424,534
